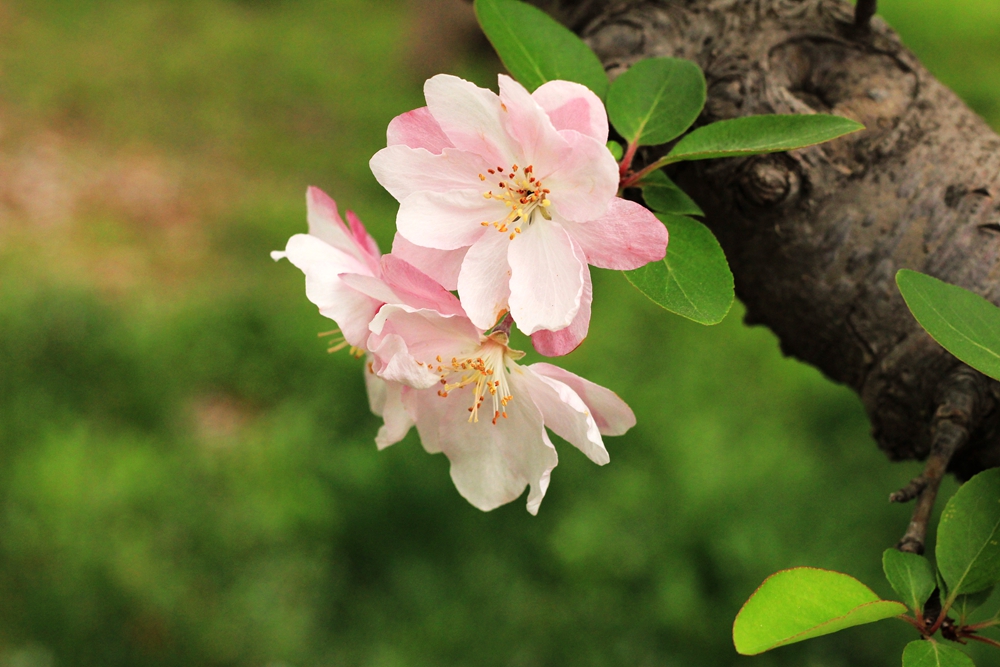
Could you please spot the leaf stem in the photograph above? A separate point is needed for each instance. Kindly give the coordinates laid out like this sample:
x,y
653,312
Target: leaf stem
x,y
630,180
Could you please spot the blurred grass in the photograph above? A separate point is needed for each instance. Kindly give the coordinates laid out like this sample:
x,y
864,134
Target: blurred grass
x,y
186,477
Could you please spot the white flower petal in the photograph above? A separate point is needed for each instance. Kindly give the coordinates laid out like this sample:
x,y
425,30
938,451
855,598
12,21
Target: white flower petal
x,y
565,413
546,283
541,145
564,341
446,220
397,421
490,464
423,335
395,363
376,387
470,117
585,181
322,265
403,170
483,281
612,414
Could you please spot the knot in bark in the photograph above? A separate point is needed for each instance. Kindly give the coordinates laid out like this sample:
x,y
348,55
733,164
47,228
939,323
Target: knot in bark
x,y
768,181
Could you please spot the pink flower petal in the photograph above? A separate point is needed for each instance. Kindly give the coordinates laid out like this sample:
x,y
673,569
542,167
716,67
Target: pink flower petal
x,y
484,280
403,170
611,413
362,237
626,237
325,223
470,117
564,341
573,106
566,414
441,265
372,287
585,181
417,289
546,283
446,220
417,129
490,464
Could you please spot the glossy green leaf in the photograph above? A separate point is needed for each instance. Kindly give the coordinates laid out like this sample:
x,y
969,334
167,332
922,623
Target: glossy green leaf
x,y
968,539
752,135
656,99
911,576
964,605
965,324
663,196
803,603
694,279
535,48
929,653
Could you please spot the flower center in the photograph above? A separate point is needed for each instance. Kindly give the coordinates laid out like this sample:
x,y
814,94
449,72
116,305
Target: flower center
x,y
485,370
521,192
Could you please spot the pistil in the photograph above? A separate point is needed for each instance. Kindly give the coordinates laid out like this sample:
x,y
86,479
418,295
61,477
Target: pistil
x,y
485,370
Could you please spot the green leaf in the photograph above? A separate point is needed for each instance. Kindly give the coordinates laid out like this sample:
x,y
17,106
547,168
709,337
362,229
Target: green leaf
x,y
929,653
965,324
535,48
911,576
663,196
752,135
694,279
617,152
803,603
964,605
656,99
968,539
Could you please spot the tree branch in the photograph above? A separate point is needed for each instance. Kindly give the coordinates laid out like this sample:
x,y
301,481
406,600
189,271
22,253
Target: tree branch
x,y
815,237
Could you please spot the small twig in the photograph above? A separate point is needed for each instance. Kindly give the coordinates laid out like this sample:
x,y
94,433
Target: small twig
x,y
863,13
985,640
958,402
918,624
948,437
910,491
982,626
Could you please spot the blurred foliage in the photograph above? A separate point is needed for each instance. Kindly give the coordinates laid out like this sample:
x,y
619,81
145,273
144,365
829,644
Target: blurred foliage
x,y
187,478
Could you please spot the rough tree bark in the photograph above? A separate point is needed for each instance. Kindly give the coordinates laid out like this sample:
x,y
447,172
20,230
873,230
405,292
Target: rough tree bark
x,y
815,237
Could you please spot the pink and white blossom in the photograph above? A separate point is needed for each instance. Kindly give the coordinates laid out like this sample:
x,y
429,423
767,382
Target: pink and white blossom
x,y
472,401
507,198
349,280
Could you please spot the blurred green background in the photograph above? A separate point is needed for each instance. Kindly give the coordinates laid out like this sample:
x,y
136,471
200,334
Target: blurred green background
x,y
187,478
